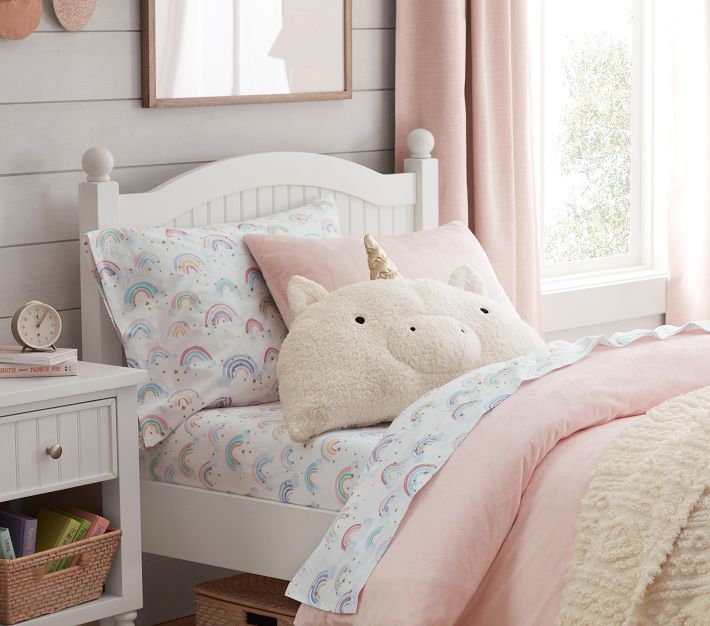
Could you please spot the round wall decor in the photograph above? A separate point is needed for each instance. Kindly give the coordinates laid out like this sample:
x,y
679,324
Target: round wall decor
x,y
19,18
74,14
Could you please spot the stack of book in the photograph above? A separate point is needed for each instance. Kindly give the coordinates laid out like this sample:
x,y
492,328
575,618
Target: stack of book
x,y
21,535
17,364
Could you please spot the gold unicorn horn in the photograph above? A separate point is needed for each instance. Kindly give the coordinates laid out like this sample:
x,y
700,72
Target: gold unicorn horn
x,y
381,266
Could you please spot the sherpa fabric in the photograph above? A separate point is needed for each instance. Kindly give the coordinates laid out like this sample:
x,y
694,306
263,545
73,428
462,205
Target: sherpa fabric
x,y
642,551
361,354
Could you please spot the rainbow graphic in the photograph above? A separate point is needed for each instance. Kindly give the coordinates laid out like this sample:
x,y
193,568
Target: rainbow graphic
x,y
286,459
271,356
188,263
232,451
239,362
219,313
308,476
383,443
154,462
109,236
460,410
149,391
341,577
343,484
224,286
266,304
390,473
139,326
328,227
106,268
276,229
169,473
259,470
184,299
193,422
220,403
300,218
136,290
217,241
496,401
252,276
194,355
417,477
343,601
205,475
153,425
132,363
215,433
285,490
279,431
455,399
417,415
314,590
175,232
370,542
329,448
142,259
178,329
345,540
384,507
421,445
183,398
246,227
184,461
253,326
157,353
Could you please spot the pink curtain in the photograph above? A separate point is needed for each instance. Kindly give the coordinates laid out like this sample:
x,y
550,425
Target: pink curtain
x,y
462,72
682,154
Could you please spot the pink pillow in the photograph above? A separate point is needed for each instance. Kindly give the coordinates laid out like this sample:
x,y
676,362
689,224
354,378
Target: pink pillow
x,y
335,262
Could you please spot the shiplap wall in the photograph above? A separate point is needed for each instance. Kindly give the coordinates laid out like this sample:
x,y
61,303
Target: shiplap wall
x,y
61,93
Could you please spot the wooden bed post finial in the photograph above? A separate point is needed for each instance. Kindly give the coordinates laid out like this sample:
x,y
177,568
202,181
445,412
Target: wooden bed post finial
x,y
420,143
97,162
426,211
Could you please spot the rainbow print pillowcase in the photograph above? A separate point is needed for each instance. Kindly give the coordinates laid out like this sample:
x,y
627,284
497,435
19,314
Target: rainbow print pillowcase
x,y
192,307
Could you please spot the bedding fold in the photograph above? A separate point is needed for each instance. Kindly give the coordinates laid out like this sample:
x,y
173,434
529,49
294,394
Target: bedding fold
x,y
461,520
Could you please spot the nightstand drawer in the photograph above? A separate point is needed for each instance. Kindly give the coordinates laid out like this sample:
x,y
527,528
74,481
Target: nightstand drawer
x,y
81,436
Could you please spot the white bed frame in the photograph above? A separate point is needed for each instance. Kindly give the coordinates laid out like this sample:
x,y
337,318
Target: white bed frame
x,y
231,531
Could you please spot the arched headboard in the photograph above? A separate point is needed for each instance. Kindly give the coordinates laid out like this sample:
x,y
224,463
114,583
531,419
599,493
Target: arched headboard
x,y
244,187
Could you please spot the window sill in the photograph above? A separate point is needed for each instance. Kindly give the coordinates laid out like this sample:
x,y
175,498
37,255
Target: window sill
x,y
575,302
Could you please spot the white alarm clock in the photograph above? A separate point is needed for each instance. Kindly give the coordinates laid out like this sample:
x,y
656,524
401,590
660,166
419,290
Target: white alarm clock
x,y
36,326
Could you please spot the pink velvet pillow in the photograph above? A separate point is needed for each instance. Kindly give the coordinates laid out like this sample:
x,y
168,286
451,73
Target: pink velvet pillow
x,y
336,261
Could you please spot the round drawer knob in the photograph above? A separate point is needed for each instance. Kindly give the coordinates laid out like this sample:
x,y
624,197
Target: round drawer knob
x,y
54,451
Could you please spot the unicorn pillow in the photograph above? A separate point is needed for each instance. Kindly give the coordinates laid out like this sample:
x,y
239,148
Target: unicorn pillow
x,y
192,307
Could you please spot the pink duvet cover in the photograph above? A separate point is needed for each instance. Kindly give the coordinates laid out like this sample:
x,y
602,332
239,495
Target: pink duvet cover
x,y
487,540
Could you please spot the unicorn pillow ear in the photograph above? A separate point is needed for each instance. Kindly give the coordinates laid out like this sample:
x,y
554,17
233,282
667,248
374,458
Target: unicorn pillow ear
x,y
465,277
302,292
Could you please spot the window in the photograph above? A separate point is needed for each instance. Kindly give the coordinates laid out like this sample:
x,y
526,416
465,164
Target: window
x,y
590,82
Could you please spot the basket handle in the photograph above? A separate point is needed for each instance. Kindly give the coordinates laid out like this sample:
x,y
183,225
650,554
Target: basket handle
x,y
84,560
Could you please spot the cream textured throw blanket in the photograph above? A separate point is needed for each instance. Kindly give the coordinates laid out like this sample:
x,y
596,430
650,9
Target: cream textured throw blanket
x,y
642,551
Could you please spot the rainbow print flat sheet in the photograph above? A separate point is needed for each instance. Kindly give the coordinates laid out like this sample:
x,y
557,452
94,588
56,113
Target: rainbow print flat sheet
x,y
247,451
415,446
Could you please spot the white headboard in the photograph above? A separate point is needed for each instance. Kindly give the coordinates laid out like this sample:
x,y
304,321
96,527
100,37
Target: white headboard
x,y
244,187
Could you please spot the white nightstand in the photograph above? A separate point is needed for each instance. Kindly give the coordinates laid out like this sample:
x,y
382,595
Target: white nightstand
x,y
93,417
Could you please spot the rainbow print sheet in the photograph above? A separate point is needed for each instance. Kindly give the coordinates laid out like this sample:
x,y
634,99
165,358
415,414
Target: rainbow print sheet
x,y
247,451
416,445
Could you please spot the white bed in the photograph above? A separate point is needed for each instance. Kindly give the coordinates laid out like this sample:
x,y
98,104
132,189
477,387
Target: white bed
x,y
244,533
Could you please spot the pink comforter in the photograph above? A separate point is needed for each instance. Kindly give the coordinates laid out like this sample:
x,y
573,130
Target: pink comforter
x,y
488,540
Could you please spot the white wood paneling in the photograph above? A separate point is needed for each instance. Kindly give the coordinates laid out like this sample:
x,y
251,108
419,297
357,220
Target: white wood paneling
x,y
47,64
125,15
53,136
50,199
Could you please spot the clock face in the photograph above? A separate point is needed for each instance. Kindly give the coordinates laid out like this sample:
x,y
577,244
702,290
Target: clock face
x,y
37,325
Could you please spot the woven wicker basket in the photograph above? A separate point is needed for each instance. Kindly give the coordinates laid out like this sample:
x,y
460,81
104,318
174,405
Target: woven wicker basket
x,y
27,591
244,600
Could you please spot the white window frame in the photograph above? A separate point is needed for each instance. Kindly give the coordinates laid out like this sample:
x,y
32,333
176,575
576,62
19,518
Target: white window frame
x,y
599,291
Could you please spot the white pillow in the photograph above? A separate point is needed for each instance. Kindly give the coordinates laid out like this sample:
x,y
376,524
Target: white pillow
x,y
192,307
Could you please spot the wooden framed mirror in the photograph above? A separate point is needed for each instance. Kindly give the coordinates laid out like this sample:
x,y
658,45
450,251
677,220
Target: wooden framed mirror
x,y
202,52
